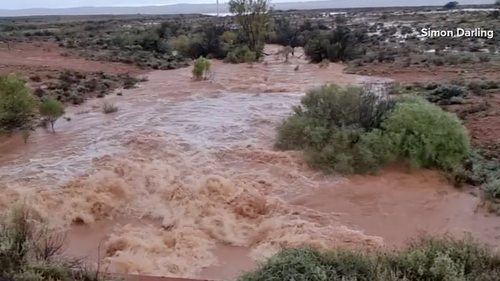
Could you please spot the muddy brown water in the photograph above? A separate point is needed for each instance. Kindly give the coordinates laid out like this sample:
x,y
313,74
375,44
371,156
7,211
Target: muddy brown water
x,y
183,181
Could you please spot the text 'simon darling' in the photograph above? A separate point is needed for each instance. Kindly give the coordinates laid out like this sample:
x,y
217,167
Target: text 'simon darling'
x,y
458,32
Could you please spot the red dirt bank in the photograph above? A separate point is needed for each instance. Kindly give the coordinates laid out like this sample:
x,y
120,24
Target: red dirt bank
x,y
28,59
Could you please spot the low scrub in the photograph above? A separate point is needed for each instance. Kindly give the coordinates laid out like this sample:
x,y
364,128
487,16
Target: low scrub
x,y
481,171
75,87
446,94
425,258
241,55
348,130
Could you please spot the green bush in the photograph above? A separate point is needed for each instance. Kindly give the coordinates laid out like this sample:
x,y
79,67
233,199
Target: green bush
x,y
337,127
241,54
51,110
351,150
347,130
426,258
201,68
336,106
339,44
427,135
16,103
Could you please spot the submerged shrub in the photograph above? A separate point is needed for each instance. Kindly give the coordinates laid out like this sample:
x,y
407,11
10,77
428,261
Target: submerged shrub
x,y
51,109
348,130
108,108
338,106
201,68
427,135
426,258
291,133
352,150
337,127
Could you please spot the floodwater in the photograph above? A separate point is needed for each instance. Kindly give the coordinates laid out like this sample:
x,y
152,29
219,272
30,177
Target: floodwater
x,y
183,180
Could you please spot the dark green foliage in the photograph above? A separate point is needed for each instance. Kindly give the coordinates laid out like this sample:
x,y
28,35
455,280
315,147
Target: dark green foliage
x,y
446,93
337,106
351,150
337,127
75,87
348,130
240,54
339,44
451,5
424,259
287,34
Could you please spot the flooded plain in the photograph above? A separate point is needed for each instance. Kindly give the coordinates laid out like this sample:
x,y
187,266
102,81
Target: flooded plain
x,y
183,180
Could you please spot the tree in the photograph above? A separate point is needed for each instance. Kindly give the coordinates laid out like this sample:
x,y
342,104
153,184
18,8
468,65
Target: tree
x,y
451,5
51,110
288,34
253,17
339,44
16,102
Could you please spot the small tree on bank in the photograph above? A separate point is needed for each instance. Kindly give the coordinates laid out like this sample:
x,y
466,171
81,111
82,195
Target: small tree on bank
x,y
16,102
253,17
51,110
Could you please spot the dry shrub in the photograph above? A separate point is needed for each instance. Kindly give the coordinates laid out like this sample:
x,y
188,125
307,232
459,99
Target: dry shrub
x,y
108,108
29,250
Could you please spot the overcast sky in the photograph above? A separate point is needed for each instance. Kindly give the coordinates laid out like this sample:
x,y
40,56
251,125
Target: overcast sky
x,y
23,4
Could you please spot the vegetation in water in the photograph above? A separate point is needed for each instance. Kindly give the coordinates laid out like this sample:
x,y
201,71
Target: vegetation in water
x,y
201,69
350,130
51,110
